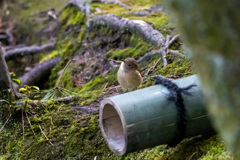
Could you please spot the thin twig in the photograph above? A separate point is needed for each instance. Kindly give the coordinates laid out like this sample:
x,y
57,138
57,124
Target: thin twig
x,y
163,51
191,156
52,125
22,124
45,135
175,53
153,66
63,72
105,86
30,124
172,40
60,107
164,55
5,122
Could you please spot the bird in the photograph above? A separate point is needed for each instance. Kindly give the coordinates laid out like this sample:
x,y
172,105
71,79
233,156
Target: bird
x,y
129,76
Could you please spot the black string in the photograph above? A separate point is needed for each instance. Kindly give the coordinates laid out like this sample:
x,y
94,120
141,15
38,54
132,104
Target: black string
x,y
176,96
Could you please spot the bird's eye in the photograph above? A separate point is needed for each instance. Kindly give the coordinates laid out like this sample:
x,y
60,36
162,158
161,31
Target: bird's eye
x,y
129,65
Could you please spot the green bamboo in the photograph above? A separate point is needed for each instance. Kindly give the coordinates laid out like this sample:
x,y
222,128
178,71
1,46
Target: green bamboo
x,y
145,117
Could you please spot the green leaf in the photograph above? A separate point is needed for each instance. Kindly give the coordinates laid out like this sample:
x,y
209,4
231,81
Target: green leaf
x,y
33,88
10,98
16,81
12,75
2,100
23,90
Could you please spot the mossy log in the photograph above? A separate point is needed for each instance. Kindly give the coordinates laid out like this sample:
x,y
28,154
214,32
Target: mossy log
x,y
76,3
211,29
137,27
11,54
39,72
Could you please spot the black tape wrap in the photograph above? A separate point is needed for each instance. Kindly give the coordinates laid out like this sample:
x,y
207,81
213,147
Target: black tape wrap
x,y
176,97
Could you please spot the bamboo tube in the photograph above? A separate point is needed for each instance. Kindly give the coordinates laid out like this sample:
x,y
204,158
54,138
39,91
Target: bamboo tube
x,y
146,118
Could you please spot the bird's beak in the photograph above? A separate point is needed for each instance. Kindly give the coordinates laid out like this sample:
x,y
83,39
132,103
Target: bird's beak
x,y
123,61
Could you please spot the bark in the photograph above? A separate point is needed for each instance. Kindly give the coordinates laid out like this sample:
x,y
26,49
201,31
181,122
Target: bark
x,y
38,72
137,27
212,32
10,54
5,80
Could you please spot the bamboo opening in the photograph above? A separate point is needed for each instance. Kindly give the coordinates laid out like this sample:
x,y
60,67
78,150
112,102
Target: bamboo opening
x,y
113,130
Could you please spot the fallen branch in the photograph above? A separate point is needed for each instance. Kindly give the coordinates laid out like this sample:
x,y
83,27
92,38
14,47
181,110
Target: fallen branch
x,y
9,37
11,54
10,47
38,72
45,135
146,12
137,27
163,51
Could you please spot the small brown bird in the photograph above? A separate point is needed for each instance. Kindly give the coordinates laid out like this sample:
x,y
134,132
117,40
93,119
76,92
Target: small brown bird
x,y
128,75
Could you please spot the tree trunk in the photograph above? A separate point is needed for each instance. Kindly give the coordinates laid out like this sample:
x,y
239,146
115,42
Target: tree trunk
x,y
211,29
5,80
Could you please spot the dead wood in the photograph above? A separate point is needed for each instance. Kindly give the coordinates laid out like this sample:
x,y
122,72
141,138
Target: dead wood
x,y
10,54
9,37
39,72
163,51
137,27
146,12
6,36
10,47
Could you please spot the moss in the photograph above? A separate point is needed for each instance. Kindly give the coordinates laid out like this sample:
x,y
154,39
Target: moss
x,y
94,88
143,3
67,46
159,21
89,96
76,136
72,16
137,48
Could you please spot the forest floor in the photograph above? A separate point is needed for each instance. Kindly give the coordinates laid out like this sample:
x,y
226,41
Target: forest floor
x,y
88,44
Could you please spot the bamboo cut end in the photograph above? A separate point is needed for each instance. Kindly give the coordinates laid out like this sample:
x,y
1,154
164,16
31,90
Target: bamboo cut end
x,y
113,127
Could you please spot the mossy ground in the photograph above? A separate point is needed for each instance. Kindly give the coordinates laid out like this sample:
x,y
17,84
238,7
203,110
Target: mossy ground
x,y
78,136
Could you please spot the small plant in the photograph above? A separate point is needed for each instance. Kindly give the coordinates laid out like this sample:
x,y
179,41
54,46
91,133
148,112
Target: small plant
x,y
32,92
12,105
59,91
14,79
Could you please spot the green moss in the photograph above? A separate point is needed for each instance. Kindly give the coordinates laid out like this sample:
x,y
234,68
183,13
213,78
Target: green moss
x,y
67,46
137,48
143,3
72,16
110,8
159,21
89,96
76,136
